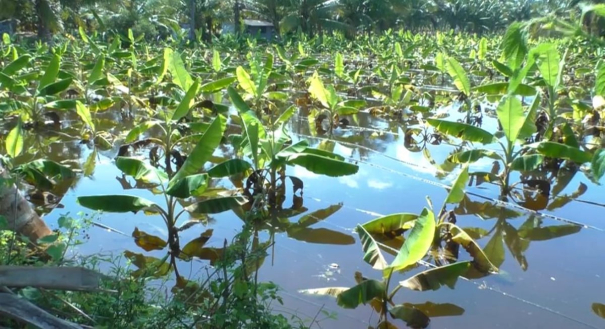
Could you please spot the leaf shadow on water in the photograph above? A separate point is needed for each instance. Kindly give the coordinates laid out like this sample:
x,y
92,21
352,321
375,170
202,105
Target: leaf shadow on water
x,y
420,315
301,230
517,240
542,190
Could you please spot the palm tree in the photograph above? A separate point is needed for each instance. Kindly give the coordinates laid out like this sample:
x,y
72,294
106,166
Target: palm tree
x,y
44,12
312,16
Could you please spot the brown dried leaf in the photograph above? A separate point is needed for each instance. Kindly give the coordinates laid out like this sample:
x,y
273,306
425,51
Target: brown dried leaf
x,y
147,241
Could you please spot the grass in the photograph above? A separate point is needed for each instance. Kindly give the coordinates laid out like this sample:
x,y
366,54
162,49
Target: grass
x,y
224,297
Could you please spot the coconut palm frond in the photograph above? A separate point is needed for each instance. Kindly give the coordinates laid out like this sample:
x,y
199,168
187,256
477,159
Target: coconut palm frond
x,y
48,13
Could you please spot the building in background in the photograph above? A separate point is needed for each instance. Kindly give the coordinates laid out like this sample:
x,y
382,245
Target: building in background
x,y
262,29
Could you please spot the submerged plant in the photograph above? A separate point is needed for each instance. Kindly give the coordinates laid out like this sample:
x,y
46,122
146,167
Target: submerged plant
x,y
427,232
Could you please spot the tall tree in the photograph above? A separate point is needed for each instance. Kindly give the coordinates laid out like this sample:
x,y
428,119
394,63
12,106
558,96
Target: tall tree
x,y
312,16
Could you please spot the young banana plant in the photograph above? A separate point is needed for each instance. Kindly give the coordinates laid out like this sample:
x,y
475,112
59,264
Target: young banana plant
x,y
334,106
271,151
256,84
428,231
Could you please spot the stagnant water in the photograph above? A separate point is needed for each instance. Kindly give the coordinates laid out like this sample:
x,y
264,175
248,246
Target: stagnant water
x,y
550,277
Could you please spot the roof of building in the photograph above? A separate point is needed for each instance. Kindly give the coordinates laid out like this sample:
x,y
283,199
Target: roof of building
x,y
252,22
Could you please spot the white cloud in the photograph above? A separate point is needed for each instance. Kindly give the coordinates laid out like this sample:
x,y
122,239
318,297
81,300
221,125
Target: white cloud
x,y
349,181
373,183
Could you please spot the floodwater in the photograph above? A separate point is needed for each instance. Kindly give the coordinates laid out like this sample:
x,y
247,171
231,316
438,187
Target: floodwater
x,y
551,263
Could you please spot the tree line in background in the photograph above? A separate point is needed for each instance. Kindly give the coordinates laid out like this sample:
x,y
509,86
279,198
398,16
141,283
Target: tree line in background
x,y
156,18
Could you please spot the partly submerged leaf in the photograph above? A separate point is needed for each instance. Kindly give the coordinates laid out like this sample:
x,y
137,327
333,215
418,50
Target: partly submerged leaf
x,y
362,293
433,310
433,279
147,241
417,244
195,246
515,244
414,318
480,260
372,254
318,215
475,232
599,309
462,130
88,167
390,223
37,171
148,265
494,249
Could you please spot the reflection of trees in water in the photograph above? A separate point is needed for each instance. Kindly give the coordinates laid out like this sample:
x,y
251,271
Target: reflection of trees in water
x,y
355,134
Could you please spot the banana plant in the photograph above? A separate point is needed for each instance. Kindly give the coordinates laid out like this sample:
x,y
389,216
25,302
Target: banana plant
x,y
427,231
256,84
461,80
173,134
169,118
43,174
397,101
271,151
517,125
16,80
177,188
334,106
353,77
